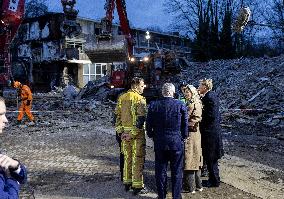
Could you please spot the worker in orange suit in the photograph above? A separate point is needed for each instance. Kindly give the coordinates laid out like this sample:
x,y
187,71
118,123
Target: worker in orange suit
x,y
26,104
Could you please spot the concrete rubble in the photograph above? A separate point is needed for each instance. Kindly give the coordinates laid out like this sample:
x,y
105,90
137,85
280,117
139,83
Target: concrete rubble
x,y
251,94
250,90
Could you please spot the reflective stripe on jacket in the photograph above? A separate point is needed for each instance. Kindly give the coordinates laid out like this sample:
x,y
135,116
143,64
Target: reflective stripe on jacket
x,y
130,106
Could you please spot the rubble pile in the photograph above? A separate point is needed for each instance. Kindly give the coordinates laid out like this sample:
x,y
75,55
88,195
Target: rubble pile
x,y
47,101
95,90
250,90
64,102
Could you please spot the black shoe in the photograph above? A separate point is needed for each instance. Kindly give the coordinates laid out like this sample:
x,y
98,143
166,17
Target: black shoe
x,y
204,173
140,191
127,187
214,185
210,184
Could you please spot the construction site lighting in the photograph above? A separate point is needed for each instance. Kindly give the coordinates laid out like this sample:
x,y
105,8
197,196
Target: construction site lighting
x,y
132,59
146,59
148,36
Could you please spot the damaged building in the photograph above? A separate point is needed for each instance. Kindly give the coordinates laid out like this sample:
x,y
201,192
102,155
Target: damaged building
x,y
54,59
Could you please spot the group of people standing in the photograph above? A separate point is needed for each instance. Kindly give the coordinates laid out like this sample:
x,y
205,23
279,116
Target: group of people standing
x,y
185,131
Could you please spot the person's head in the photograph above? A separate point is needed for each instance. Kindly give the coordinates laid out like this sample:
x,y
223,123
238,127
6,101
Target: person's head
x,y
17,84
168,90
138,84
182,87
190,92
205,85
3,119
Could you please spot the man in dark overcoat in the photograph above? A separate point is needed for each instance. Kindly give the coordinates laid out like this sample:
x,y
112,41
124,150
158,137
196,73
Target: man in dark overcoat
x,y
166,123
210,129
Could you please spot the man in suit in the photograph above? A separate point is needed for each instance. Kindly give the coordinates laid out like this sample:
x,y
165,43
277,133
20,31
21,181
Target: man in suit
x,y
166,123
210,129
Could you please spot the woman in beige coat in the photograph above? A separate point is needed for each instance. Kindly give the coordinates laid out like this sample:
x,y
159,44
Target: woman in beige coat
x,y
193,152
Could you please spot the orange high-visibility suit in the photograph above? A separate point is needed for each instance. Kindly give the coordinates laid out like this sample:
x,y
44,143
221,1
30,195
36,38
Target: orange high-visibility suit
x,y
26,104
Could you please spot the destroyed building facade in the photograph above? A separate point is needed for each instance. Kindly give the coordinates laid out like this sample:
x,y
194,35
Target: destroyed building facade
x,y
57,59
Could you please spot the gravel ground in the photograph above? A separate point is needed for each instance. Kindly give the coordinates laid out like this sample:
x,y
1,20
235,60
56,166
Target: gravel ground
x,y
74,154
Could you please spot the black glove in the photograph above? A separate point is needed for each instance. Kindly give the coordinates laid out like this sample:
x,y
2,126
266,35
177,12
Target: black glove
x,y
140,122
118,137
28,102
193,128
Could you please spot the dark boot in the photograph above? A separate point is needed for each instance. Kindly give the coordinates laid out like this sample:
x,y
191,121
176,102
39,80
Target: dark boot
x,y
140,191
127,187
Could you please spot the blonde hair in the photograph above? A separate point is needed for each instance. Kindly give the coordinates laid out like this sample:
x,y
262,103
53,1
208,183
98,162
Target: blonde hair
x,y
208,83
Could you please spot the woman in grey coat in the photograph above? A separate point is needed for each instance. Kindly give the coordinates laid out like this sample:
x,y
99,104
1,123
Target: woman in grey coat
x,y
193,160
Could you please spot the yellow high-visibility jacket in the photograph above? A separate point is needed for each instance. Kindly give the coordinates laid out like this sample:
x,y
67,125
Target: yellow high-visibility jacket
x,y
129,108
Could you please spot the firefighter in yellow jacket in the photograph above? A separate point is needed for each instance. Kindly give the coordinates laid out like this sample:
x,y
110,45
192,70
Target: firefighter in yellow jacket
x,y
130,119
26,104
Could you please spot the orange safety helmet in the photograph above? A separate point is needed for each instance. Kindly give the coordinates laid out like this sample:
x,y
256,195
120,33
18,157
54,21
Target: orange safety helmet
x,y
17,84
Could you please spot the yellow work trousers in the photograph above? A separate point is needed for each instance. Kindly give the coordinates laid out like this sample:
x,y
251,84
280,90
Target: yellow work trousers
x,y
134,157
24,109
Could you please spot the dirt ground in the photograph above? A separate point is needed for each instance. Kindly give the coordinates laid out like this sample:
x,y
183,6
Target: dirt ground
x,y
74,154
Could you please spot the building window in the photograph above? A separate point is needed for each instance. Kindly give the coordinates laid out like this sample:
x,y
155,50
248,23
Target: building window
x,y
79,46
93,72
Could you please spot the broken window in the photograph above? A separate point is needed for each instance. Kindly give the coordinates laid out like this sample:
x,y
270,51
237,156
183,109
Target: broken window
x,y
93,71
77,45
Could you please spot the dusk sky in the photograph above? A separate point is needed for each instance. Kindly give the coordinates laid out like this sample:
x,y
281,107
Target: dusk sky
x,y
141,13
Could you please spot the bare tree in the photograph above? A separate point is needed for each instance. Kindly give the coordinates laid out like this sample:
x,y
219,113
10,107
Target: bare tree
x,y
35,8
273,17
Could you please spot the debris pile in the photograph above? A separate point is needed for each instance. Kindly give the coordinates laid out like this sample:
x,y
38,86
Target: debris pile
x,y
95,90
250,90
69,94
48,101
88,101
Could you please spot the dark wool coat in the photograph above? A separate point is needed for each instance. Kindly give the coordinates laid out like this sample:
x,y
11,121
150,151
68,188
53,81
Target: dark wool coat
x,y
10,186
166,123
210,129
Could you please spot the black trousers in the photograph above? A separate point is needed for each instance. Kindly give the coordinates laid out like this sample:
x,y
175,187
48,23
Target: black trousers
x,y
192,180
213,170
176,163
121,157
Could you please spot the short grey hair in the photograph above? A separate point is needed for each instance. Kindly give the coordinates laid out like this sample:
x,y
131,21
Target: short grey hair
x,y
168,90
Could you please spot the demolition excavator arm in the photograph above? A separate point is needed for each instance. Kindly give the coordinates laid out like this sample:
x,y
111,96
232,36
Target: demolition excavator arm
x,y
11,17
124,23
12,12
